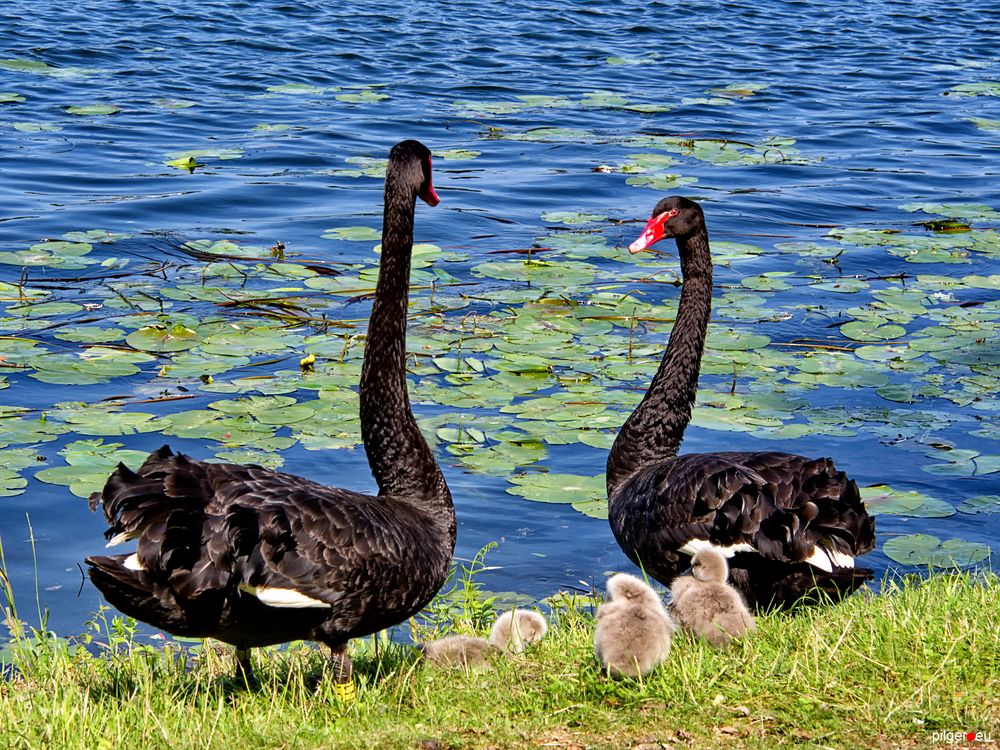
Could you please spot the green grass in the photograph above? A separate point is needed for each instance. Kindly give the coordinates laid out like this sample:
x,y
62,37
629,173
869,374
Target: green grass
x,y
882,671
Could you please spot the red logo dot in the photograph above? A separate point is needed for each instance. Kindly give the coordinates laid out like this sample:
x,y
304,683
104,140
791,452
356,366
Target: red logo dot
x,y
970,736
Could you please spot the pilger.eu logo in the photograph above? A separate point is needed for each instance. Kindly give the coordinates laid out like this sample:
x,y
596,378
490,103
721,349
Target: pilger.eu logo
x,y
958,736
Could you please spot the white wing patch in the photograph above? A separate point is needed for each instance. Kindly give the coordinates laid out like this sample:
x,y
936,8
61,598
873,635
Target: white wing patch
x,y
693,546
125,536
132,562
286,598
840,559
827,559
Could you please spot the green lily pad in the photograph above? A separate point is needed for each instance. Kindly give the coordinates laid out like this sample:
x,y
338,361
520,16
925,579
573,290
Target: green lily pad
x,y
643,60
20,65
984,123
93,110
190,159
175,103
90,334
457,154
660,181
983,88
547,134
592,508
11,483
901,392
927,550
880,499
738,90
603,99
572,217
362,97
89,463
101,422
6,97
352,233
159,338
734,340
861,330
970,211
980,504
34,127
558,488
298,89
250,456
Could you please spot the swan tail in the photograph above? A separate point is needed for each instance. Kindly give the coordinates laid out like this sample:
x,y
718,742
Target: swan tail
x,y
136,593
163,505
166,489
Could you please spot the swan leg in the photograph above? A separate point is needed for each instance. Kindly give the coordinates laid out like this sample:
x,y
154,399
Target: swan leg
x,y
244,667
343,674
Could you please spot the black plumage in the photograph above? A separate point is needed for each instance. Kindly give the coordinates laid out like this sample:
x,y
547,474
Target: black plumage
x,y
254,557
795,523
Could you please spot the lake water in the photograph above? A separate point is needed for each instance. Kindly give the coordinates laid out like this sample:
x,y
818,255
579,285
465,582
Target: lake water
x,y
821,138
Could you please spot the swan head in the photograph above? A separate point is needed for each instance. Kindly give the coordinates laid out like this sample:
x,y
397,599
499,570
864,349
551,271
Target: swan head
x,y
673,217
709,566
414,164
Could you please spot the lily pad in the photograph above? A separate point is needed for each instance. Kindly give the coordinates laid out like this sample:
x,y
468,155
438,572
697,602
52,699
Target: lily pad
x,y
88,465
160,338
298,89
558,488
927,550
648,59
93,110
982,88
11,483
362,97
980,504
352,233
20,65
880,499
572,217
970,211
34,127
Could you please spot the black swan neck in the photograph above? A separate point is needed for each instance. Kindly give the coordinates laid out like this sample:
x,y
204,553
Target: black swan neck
x,y
653,432
400,459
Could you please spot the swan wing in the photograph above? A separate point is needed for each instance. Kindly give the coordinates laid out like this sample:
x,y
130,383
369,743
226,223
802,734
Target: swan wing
x,y
211,531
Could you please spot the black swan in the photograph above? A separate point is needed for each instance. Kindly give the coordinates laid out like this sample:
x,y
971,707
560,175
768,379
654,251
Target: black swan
x,y
633,631
708,606
788,524
255,557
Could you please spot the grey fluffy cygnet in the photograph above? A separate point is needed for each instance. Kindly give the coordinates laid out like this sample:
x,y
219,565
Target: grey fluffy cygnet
x,y
461,651
633,629
708,606
516,629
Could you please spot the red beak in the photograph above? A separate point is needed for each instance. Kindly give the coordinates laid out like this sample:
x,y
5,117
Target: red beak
x,y
428,196
652,234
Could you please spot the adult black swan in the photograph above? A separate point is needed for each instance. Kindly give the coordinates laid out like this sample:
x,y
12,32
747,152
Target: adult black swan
x,y
255,557
789,524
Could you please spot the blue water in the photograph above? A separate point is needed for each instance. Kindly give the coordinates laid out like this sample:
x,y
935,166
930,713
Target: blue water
x,y
860,86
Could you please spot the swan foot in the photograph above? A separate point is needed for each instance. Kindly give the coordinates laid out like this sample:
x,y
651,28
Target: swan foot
x,y
244,668
343,675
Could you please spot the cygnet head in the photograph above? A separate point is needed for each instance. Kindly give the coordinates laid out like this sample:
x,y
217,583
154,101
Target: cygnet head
x,y
515,629
623,587
710,566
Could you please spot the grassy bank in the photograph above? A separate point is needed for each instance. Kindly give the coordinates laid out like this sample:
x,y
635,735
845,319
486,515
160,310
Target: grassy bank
x,y
883,671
